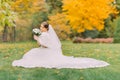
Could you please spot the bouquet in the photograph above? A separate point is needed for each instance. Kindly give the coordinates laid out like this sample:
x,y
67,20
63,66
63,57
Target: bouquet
x,y
36,31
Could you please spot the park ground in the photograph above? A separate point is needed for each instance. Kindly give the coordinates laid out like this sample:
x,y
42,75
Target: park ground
x,y
106,52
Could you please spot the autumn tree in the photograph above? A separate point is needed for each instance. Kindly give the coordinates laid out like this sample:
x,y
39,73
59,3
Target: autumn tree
x,y
7,17
60,25
27,6
87,14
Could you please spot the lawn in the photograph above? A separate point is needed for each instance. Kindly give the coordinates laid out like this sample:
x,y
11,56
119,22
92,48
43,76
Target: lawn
x,y
107,52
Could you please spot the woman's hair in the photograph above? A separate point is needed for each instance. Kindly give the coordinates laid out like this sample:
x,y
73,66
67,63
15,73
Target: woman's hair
x,y
46,25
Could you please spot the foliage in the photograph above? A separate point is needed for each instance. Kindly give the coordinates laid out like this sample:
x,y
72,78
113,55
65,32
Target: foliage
x,y
117,31
82,16
109,28
27,6
117,2
39,17
60,25
29,11
57,19
54,6
7,16
88,14
23,29
106,52
90,34
24,9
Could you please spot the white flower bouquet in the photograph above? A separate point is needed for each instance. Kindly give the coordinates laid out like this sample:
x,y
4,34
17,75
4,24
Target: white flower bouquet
x,y
36,31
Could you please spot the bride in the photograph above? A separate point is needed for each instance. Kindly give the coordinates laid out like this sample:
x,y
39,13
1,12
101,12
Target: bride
x,y
49,55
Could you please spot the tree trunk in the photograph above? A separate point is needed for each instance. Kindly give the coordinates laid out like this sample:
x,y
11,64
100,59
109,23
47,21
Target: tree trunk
x,y
5,34
13,34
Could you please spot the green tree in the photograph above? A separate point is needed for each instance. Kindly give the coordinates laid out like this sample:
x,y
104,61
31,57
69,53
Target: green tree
x,y
39,17
117,31
54,5
117,2
7,17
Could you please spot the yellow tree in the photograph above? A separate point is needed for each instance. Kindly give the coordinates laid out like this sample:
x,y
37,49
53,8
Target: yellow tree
x,y
28,6
87,14
59,24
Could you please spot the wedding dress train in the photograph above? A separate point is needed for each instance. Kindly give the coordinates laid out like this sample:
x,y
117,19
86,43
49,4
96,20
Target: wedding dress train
x,y
47,58
52,57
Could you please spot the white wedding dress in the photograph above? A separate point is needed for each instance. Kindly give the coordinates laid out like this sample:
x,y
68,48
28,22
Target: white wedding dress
x,y
52,57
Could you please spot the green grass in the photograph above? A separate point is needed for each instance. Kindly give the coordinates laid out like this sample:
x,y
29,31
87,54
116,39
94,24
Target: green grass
x,y
106,52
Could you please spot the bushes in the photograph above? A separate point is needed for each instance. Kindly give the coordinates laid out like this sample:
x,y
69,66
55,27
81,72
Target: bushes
x,y
90,33
117,31
90,40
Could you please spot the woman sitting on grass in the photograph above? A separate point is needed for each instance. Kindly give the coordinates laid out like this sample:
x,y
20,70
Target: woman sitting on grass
x,y
49,55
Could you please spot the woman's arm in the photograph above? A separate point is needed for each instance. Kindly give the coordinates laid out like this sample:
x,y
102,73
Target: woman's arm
x,y
37,39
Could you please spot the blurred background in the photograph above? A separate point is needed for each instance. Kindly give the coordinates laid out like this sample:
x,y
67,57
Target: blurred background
x,y
74,20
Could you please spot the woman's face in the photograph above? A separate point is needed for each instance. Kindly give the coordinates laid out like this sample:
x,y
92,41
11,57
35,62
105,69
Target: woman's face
x,y
43,29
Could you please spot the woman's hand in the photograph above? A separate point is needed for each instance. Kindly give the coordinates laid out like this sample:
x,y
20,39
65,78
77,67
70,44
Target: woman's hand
x,y
35,37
